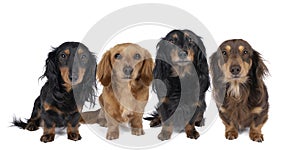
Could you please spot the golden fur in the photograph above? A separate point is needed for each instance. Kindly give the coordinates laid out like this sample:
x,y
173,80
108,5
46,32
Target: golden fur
x,y
124,96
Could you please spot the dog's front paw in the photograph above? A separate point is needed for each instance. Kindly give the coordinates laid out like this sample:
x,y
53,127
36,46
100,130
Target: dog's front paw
x,y
164,135
74,136
112,135
200,123
257,137
47,138
31,126
137,131
102,122
231,135
155,122
193,134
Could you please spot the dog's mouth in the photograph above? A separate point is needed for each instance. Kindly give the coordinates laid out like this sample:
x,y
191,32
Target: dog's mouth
x,y
126,78
235,76
182,62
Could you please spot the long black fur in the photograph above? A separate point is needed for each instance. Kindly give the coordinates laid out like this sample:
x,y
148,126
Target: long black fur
x,y
182,92
55,93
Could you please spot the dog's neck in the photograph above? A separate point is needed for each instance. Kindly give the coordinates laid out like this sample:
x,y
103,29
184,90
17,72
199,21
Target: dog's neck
x,y
123,93
236,89
181,71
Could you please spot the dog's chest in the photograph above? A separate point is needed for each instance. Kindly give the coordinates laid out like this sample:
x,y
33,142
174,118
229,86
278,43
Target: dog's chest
x,y
238,112
128,104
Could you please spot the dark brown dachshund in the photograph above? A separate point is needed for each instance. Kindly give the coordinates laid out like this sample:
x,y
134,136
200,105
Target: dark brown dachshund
x,y
237,72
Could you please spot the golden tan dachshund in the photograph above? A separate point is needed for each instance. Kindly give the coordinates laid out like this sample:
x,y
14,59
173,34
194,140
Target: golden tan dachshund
x,y
125,71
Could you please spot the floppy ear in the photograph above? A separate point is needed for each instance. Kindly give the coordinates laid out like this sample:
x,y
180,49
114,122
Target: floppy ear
x,y
162,68
104,69
90,84
91,71
52,71
146,70
219,87
201,66
215,70
258,68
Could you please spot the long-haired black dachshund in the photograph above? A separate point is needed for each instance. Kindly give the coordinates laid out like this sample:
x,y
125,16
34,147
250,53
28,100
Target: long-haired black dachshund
x,y
182,78
70,70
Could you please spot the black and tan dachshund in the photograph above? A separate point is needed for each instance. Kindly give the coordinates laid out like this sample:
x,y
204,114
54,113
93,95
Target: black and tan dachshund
x,y
182,78
70,70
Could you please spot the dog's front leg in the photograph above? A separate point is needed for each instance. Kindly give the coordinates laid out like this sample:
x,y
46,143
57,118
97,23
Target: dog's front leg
x,y
137,124
112,128
72,127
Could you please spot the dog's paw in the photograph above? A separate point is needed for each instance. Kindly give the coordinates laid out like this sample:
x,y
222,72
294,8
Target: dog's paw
x,y
102,122
155,122
137,131
31,126
164,135
112,135
200,123
47,138
192,134
257,137
74,136
231,135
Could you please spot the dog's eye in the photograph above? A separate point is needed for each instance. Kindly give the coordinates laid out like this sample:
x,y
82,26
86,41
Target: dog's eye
x,y
137,56
83,56
63,55
224,53
173,40
189,40
245,52
118,56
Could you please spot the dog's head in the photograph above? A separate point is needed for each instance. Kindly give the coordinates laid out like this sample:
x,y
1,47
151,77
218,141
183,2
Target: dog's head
x,y
237,61
69,65
178,52
125,62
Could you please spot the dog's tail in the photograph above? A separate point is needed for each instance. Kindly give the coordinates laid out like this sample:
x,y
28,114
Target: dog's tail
x,y
90,117
155,119
19,123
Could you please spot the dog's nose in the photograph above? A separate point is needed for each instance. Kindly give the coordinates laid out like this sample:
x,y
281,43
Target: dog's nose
x,y
182,54
127,70
235,69
73,77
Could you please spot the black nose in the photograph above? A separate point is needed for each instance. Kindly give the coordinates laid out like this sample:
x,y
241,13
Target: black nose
x,y
127,70
235,69
182,54
73,77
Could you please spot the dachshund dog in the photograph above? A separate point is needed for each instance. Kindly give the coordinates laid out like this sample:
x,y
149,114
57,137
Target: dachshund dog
x,y
71,74
241,96
181,70
125,71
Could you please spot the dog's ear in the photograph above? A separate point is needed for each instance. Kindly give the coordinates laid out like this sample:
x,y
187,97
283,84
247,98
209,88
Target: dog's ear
x,y
104,69
90,80
258,69
162,68
52,71
147,68
216,60
219,87
201,66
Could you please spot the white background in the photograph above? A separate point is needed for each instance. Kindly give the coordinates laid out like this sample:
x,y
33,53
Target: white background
x,y
29,28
